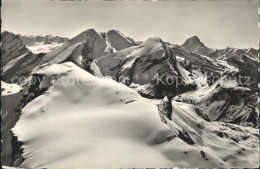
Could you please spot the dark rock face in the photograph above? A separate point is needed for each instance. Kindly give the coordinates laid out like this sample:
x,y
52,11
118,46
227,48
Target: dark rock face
x,y
17,60
170,81
35,88
10,115
185,137
12,47
118,40
12,150
239,107
22,68
248,71
17,152
165,108
165,75
194,45
165,111
236,105
204,63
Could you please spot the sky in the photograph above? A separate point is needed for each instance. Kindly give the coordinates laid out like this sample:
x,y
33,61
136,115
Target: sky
x,y
218,24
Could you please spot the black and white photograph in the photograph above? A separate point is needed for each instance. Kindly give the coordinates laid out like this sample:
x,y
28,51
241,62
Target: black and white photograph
x,y
129,84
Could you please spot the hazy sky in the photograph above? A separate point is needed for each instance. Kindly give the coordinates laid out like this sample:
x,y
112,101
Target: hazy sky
x,y
217,23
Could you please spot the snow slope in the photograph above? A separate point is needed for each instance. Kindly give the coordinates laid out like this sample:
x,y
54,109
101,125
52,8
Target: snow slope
x,y
118,40
219,143
99,123
74,119
20,67
94,125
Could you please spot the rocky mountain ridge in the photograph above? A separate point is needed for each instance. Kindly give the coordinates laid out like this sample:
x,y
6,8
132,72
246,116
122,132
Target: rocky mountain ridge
x,y
41,39
195,45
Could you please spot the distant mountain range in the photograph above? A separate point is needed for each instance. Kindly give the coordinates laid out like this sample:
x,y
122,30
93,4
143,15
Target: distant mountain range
x,y
194,45
41,39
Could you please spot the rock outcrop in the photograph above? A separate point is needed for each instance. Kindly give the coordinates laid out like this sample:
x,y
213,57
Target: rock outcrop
x,y
12,47
17,60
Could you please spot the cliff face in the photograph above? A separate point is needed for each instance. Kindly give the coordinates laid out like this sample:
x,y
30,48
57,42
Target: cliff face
x,y
118,40
12,47
248,70
17,60
14,99
171,78
226,101
10,100
194,45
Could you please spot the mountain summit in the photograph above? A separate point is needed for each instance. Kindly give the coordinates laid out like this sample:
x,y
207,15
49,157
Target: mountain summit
x,y
193,41
193,44
118,40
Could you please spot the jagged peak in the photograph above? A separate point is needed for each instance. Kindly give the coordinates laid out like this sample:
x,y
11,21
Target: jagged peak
x,y
194,40
49,36
230,49
5,32
8,35
251,49
113,31
83,36
118,33
91,30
